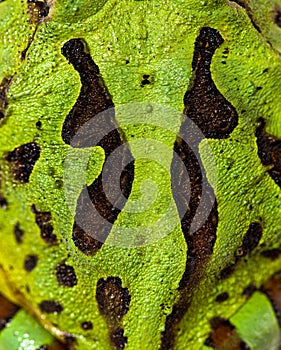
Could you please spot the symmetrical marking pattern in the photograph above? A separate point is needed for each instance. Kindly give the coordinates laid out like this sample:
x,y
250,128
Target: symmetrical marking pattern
x,y
94,99
66,275
269,151
224,336
22,160
113,301
18,232
30,262
216,118
7,311
51,307
44,222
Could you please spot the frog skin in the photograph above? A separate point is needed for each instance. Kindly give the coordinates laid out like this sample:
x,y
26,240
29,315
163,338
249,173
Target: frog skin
x,y
107,264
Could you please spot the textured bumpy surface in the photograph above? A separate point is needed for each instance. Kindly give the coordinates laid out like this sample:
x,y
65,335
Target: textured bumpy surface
x,y
122,225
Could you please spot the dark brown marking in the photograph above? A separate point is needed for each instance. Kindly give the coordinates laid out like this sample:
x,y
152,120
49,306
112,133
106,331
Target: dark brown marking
x,y
38,125
55,345
22,160
38,10
70,340
118,339
204,104
87,325
44,222
189,178
98,214
224,336
66,275
51,307
18,232
272,288
228,271
277,18
113,301
272,254
3,202
4,87
251,238
222,297
30,262
7,311
145,80
269,151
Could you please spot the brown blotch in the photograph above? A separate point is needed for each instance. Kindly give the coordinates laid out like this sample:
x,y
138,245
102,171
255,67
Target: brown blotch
x,y
22,160
224,336
4,87
98,214
251,238
118,339
66,275
30,262
18,232
38,10
113,301
272,288
204,104
228,271
222,297
87,325
272,254
44,222
51,307
7,311
55,345
269,151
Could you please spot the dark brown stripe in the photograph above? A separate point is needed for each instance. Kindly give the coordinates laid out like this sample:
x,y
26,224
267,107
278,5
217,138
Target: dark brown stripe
x,y
269,151
22,160
4,87
251,238
18,233
94,218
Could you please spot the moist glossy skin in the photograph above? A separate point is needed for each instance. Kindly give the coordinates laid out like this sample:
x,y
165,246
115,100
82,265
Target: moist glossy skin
x,y
165,283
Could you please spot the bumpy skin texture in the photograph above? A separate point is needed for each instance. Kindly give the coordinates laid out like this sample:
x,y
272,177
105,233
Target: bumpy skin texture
x,y
179,292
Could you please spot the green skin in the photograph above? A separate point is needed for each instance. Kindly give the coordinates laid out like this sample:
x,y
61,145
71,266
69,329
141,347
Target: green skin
x,y
158,40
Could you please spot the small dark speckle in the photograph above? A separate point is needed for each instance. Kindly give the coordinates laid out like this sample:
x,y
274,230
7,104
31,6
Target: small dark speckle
x,y
87,325
30,262
18,232
38,125
145,80
3,202
222,297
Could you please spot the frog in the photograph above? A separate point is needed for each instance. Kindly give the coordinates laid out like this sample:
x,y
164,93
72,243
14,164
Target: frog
x,y
140,174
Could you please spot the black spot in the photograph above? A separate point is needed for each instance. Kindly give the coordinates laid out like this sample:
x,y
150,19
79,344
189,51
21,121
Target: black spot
x,y
278,19
118,339
99,215
30,262
272,254
43,220
18,232
228,271
87,325
38,125
145,80
222,297
251,238
7,311
113,302
3,202
249,290
50,307
205,105
22,160
269,151
66,275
